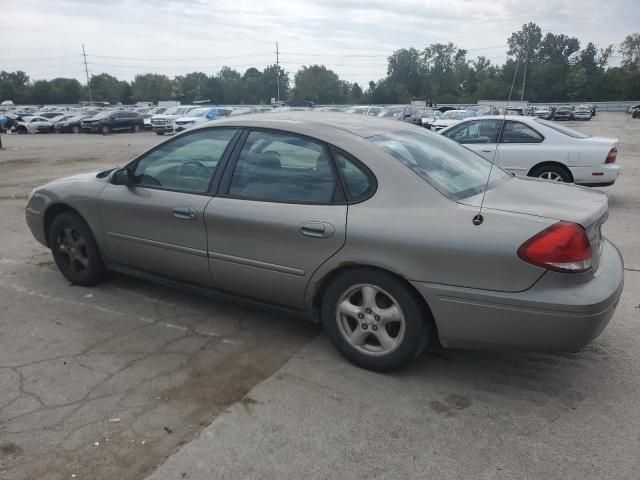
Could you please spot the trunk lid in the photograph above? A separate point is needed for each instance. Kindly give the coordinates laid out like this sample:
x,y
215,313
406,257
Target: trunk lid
x,y
554,200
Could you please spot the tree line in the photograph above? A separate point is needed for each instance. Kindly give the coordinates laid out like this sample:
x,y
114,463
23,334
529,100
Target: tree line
x,y
539,68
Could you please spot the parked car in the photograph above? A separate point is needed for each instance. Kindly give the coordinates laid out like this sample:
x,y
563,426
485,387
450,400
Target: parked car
x,y
533,147
632,108
163,123
36,124
370,232
194,117
451,117
563,113
71,124
582,112
146,117
111,121
543,112
403,113
429,117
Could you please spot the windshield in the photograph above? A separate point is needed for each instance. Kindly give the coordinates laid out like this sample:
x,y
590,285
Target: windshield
x,y
453,170
390,112
172,111
558,128
104,114
199,112
456,115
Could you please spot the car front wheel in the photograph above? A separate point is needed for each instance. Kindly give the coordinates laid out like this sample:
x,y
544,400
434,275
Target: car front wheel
x,y
75,129
375,320
75,250
105,129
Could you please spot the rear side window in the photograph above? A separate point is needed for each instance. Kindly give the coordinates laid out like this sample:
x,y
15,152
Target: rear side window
x,y
517,132
359,183
279,167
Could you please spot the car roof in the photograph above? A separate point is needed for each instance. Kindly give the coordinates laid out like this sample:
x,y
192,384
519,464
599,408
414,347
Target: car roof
x,y
361,125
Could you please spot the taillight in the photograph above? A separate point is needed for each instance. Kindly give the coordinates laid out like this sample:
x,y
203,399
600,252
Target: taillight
x,y
563,247
611,158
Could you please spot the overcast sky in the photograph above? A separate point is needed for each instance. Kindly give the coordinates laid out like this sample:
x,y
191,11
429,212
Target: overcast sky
x,y
352,37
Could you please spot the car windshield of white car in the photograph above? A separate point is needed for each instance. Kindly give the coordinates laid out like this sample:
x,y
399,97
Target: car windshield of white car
x,y
558,128
455,115
453,170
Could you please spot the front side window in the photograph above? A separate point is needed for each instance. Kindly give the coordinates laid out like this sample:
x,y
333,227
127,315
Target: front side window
x,y
454,171
517,132
279,167
478,131
187,163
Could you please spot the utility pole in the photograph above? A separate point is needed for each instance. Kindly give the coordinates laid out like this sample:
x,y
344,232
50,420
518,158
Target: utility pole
x,y
86,70
524,75
278,66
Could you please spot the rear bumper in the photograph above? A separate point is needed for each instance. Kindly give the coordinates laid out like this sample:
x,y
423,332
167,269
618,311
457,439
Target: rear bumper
x,y
559,313
603,174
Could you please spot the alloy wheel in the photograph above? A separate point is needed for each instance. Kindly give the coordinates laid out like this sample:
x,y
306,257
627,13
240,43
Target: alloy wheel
x,y
553,176
73,250
370,319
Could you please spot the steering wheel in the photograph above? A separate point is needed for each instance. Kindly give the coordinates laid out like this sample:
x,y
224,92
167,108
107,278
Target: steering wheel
x,y
193,168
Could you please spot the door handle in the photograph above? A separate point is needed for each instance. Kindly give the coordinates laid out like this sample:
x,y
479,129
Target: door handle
x,y
184,213
317,229
486,151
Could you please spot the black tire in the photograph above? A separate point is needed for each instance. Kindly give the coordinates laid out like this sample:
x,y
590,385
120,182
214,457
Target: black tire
x,y
159,133
75,129
418,324
105,130
70,231
22,131
136,128
552,170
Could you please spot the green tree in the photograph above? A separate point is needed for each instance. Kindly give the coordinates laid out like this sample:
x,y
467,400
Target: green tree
x,y
630,51
152,87
41,91
318,84
191,87
231,82
407,68
65,91
272,76
105,88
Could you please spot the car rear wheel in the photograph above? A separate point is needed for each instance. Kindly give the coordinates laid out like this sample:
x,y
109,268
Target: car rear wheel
x,y
136,128
554,173
75,129
159,133
105,129
75,250
375,320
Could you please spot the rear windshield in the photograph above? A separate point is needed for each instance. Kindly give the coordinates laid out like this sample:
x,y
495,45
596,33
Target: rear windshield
x,y
558,128
452,169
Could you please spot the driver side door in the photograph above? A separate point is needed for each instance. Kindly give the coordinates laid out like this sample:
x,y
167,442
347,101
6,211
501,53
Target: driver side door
x,y
481,136
155,223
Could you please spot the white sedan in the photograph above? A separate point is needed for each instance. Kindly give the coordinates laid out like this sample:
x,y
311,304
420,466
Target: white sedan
x,y
449,118
34,125
530,146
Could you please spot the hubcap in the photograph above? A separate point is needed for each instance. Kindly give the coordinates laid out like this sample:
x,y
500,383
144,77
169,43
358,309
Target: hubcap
x,y
370,319
553,176
73,250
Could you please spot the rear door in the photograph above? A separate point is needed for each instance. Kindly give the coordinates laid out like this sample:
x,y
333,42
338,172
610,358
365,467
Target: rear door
x,y
279,215
156,224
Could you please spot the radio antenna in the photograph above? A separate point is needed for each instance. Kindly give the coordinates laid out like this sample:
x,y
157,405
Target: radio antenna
x,y
478,219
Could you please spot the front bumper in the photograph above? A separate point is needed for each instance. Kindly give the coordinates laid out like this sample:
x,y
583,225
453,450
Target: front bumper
x,y
561,312
165,128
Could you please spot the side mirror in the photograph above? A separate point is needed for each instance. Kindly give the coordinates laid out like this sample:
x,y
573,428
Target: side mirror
x,y
122,176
